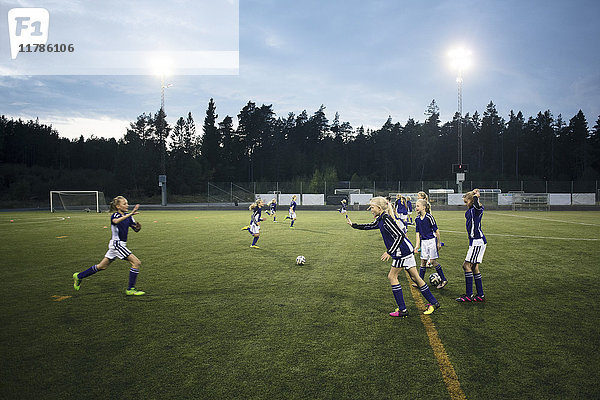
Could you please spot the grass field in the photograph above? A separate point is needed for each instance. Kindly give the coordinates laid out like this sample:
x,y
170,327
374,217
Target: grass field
x,y
223,321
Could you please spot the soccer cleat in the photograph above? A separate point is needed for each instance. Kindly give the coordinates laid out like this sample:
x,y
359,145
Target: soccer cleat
x,y
431,308
76,281
480,298
245,228
254,246
465,299
398,313
441,285
134,292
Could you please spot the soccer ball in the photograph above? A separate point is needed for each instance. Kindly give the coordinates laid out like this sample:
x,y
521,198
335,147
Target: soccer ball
x,y
435,279
300,260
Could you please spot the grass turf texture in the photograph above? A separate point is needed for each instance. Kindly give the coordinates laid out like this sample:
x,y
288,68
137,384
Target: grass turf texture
x,y
222,320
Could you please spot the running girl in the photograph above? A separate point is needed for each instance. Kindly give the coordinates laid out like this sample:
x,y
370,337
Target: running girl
x,y
273,209
400,250
254,227
343,209
428,240
477,245
120,222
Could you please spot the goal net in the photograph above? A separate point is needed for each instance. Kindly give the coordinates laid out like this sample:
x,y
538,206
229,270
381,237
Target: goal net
x,y
530,201
77,200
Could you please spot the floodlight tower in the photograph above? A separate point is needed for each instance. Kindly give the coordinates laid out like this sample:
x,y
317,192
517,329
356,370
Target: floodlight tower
x,y
162,178
460,59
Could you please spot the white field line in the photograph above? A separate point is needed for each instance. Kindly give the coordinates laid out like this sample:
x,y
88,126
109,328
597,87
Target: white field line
x,y
546,219
530,236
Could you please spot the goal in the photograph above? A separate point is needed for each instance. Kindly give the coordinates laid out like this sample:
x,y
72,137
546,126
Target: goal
x,y
530,201
77,200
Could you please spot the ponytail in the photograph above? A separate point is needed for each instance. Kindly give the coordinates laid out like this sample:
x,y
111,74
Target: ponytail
x,y
116,201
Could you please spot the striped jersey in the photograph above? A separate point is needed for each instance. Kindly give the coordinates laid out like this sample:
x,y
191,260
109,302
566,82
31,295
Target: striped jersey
x,y
119,231
273,207
474,216
255,219
394,239
426,226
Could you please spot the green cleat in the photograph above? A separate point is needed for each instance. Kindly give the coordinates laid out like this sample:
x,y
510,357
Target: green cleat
x,y
76,281
245,228
254,246
134,292
431,308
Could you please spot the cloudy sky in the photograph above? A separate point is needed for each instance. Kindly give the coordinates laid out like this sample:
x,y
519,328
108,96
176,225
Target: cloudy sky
x,y
366,60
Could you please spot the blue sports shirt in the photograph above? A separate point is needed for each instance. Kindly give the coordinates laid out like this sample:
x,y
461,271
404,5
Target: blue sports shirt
x,y
293,206
394,239
474,216
119,231
426,226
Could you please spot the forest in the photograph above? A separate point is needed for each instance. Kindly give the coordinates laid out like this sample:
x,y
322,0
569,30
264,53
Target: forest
x,y
264,147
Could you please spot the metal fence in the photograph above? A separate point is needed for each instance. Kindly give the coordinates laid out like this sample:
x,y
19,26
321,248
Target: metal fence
x,y
233,192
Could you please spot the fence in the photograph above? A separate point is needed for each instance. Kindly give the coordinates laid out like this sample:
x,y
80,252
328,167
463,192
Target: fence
x,y
233,192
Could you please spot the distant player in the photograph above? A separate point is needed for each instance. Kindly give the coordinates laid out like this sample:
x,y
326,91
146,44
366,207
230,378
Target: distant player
x,y
273,209
401,208
477,245
344,208
292,211
120,222
428,240
255,219
400,250
409,207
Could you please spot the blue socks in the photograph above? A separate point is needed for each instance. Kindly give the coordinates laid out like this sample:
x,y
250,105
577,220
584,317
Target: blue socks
x,y
422,272
427,294
478,284
254,240
133,273
438,269
293,222
469,283
397,290
90,271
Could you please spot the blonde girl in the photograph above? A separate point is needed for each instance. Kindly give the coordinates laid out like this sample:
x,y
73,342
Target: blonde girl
x,y
120,222
292,211
401,208
428,240
273,209
254,227
477,246
400,250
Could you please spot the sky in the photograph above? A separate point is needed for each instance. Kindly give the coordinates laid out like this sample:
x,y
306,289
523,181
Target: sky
x,y
366,60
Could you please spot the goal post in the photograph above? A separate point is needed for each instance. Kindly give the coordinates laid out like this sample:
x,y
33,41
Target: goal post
x,y
77,200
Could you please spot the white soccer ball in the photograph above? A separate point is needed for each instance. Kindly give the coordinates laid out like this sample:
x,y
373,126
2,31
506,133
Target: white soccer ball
x,y
300,260
435,279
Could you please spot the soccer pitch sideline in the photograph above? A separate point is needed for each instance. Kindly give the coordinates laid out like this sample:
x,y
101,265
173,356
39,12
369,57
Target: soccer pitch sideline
x,y
221,320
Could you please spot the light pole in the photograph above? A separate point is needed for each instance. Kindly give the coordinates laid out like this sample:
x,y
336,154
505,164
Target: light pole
x,y
460,60
162,178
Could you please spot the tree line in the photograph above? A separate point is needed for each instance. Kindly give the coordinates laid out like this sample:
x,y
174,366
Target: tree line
x,y
264,147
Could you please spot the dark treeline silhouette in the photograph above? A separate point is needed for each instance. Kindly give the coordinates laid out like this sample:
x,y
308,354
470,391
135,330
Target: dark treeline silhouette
x,y
264,147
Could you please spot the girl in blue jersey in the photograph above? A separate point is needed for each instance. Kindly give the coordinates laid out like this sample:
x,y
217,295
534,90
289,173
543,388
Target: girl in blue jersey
x,y
254,227
120,222
477,245
409,208
292,211
343,209
401,208
400,250
428,240
273,209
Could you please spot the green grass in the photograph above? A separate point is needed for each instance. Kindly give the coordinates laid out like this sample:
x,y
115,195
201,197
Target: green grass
x,y
221,320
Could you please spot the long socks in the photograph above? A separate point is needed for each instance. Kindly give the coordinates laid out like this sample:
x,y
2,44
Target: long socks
x,y
397,290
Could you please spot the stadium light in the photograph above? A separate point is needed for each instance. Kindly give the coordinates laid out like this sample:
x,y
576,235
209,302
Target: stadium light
x,y
460,60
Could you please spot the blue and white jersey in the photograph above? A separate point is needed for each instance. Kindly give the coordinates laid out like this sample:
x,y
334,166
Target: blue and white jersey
x,y
344,205
273,207
426,226
119,231
401,208
293,206
409,206
396,242
474,216
256,214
